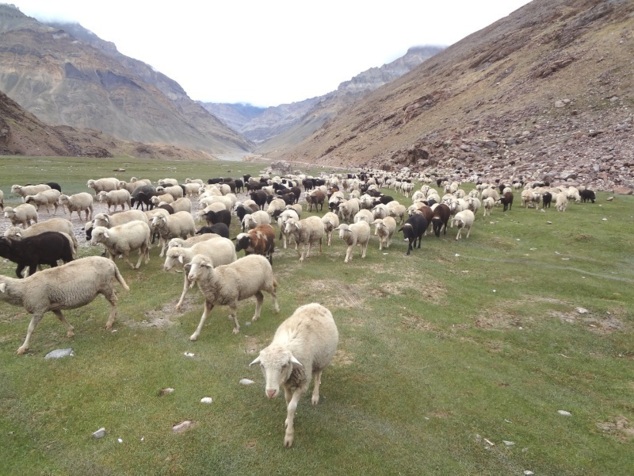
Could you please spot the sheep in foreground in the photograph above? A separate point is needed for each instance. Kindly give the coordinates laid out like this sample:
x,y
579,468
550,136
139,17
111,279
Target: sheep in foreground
x,y
79,202
302,347
228,284
123,239
356,234
281,222
259,240
384,228
24,214
219,250
69,286
52,224
413,230
464,221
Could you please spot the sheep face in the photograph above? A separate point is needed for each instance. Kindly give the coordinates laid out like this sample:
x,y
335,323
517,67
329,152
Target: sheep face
x,y
277,365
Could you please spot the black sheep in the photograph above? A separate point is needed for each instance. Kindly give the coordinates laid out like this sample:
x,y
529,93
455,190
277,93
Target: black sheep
x,y
413,230
45,248
547,198
221,216
507,200
441,218
586,195
259,197
218,228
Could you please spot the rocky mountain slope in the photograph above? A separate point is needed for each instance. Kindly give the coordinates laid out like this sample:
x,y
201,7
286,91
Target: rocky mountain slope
x,y
65,75
304,117
546,92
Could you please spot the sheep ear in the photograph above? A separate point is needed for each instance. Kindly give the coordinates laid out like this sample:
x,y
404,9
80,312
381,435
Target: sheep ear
x,y
294,361
180,259
3,287
255,361
106,234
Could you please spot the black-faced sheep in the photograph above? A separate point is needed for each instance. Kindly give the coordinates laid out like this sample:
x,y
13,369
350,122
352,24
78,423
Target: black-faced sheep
x,y
302,347
45,248
259,240
219,229
69,286
507,200
228,284
587,195
413,230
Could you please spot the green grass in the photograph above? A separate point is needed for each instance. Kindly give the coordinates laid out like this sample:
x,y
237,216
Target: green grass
x,y
460,345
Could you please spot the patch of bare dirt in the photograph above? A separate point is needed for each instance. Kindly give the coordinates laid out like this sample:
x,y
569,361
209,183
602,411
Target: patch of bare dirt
x,y
620,427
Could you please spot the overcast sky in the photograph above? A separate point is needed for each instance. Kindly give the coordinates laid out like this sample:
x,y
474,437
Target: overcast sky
x,y
270,52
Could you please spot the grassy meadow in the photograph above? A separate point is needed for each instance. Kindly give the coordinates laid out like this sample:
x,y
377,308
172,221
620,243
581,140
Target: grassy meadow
x,y
455,360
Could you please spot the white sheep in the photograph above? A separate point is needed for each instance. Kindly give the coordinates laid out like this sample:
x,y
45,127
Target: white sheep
x,y
384,228
46,198
348,209
220,250
156,200
133,184
69,286
123,239
307,233
251,220
227,284
302,347
363,215
281,222
115,198
464,221
330,221
182,204
487,205
23,214
24,190
175,191
103,219
78,202
276,206
561,201
355,234
105,184
192,189
178,225
167,182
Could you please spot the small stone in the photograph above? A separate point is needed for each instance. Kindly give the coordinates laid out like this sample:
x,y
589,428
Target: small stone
x,y
549,222
100,433
582,310
59,353
564,413
246,381
188,354
528,473
182,426
165,391
508,443
119,440
206,400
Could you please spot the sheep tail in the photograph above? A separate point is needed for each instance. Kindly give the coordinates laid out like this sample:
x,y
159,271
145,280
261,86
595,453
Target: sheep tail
x,y
119,277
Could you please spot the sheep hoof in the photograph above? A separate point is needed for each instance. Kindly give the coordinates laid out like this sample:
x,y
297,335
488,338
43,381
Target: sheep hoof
x,y
193,337
236,330
22,350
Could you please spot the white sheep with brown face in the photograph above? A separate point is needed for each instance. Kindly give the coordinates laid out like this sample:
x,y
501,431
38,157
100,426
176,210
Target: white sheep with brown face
x,y
302,347
69,286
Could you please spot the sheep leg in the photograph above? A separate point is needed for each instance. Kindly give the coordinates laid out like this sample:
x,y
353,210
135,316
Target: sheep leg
x,y
316,383
259,299
35,320
69,328
182,298
233,314
348,254
206,310
141,256
468,232
290,417
111,297
364,249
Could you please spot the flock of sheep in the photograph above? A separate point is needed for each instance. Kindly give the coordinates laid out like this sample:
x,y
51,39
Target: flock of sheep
x,y
305,343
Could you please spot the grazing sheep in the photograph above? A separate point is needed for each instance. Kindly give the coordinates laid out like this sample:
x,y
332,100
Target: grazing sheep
x,y
221,216
182,204
397,210
440,219
61,225
331,222
122,239
561,202
115,198
315,198
220,250
547,199
302,347
175,191
33,251
348,209
24,214
106,184
307,232
103,219
585,195
507,200
24,190
384,228
413,230
69,286
276,206
142,197
251,220
47,198
259,240
228,284
163,198
178,225
464,221
356,234
78,202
